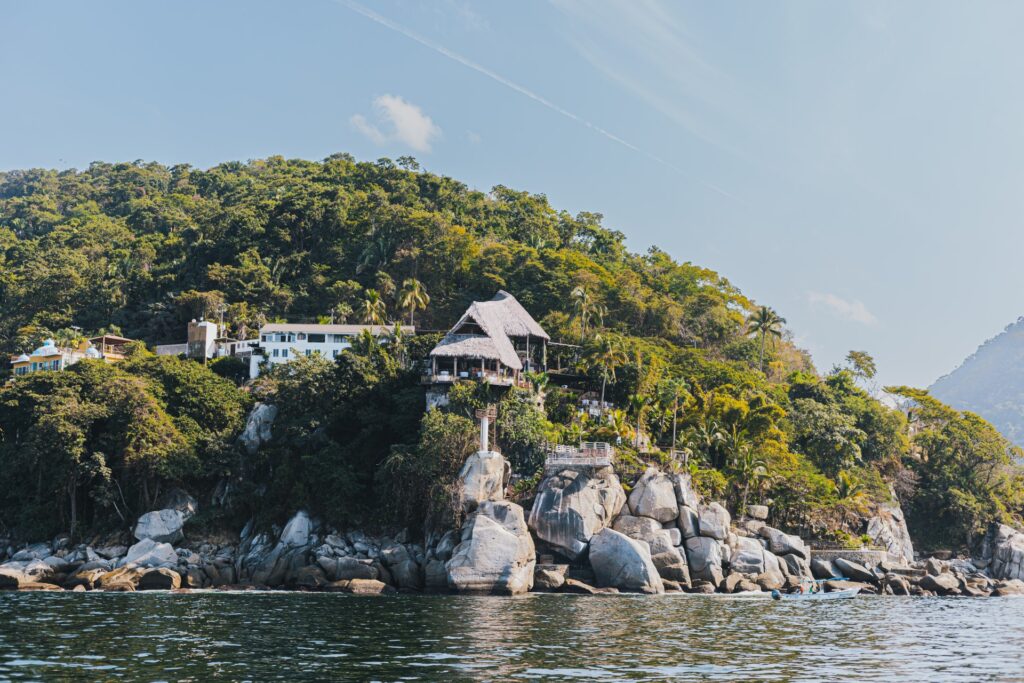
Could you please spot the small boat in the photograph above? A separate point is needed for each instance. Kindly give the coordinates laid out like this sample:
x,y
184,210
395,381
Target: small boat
x,y
834,595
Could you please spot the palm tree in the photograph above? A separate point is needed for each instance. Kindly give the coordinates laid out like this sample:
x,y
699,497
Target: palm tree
x,y
706,438
748,467
413,297
639,403
765,322
671,391
581,306
605,356
848,489
538,380
374,311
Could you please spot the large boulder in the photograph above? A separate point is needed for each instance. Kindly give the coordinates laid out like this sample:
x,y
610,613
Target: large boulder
x,y
621,562
888,528
854,570
162,526
665,554
265,560
714,521
784,544
483,477
704,557
685,493
689,524
257,427
159,578
1006,546
943,584
654,496
748,558
496,554
150,553
823,569
570,507
639,528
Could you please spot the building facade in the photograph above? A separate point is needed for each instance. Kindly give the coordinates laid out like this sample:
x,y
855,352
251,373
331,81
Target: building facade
x,y
50,357
284,342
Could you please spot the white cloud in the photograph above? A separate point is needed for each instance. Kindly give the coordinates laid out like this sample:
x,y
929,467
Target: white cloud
x,y
474,137
401,121
853,310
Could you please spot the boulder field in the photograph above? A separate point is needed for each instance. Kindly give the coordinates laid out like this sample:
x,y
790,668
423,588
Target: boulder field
x,y
582,535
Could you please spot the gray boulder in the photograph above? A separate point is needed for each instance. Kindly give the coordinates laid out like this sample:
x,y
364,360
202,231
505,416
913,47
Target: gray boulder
x,y
162,526
689,525
854,571
570,507
685,493
784,544
150,553
640,528
1007,552
714,521
621,562
654,496
704,557
496,554
888,528
823,569
35,551
549,577
758,512
257,427
748,558
265,560
943,584
483,477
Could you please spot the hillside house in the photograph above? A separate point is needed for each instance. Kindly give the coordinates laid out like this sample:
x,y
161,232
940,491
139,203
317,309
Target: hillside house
x,y
48,357
284,342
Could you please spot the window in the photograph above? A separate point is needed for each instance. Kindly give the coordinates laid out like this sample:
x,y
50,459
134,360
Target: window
x,y
275,353
284,353
302,336
317,338
309,353
335,353
264,337
337,338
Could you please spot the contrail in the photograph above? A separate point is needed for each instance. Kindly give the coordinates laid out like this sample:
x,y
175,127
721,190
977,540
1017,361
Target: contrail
x,y
454,56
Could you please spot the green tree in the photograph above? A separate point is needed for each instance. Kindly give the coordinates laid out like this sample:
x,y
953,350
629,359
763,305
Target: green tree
x,y
373,311
412,298
765,322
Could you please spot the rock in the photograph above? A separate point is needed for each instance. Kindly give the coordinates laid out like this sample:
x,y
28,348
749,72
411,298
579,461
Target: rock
x,y
888,528
309,578
1005,546
654,496
87,578
943,584
961,566
770,581
297,531
257,427
758,512
112,552
730,583
671,566
823,569
571,507
621,562
748,557
446,545
934,567
673,586
162,526
180,500
159,578
79,589
1011,587
359,587
347,568
714,521
704,557
35,551
483,477
37,586
854,571
784,544
705,587
689,526
896,584
117,579
796,566
150,553
685,493
549,577
675,536
406,575
496,554
638,528
11,578
435,576
583,588
838,585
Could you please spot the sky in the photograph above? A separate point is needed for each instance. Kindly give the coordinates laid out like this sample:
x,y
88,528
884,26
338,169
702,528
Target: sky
x,y
856,166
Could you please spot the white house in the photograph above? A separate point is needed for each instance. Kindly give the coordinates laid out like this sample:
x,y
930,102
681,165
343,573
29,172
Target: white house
x,y
284,342
205,341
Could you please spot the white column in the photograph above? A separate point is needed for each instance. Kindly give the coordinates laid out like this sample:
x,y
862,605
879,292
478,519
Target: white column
x,y
485,431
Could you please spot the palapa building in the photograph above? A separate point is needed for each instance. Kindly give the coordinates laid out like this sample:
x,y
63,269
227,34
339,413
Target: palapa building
x,y
49,356
494,341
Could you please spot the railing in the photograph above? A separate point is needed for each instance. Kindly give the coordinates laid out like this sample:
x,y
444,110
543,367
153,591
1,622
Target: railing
x,y
588,453
487,376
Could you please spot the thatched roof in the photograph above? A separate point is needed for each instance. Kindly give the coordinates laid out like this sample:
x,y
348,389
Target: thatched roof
x,y
498,319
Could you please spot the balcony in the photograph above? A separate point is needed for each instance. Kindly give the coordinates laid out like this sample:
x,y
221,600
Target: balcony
x,y
588,454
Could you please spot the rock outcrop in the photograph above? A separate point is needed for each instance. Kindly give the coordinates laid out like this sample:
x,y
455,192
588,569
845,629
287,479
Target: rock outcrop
x,y
496,554
621,562
654,496
1003,552
258,426
484,476
888,528
571,506
162,526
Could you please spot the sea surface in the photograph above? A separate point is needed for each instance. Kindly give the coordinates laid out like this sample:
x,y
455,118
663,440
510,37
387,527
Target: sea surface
x,y
309,636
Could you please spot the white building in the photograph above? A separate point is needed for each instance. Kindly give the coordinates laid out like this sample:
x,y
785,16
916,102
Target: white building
x,y
284,342
205,342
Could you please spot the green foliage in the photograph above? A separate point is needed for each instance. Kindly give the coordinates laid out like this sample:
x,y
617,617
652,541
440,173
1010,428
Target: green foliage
x,y
233,368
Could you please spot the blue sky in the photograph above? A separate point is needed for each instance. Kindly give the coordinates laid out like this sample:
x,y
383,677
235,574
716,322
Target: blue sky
x,y
856,166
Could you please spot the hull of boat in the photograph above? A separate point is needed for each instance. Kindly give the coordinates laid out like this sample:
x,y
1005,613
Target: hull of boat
x,y
834,595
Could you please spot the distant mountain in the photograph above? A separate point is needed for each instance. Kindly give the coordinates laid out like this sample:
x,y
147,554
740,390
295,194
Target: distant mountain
x,y
991,382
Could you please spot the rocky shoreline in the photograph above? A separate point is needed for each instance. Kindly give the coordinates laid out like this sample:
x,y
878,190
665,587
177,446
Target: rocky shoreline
x,y
583,534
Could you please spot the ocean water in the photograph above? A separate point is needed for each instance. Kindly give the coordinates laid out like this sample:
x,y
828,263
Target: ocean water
x,y
317,636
